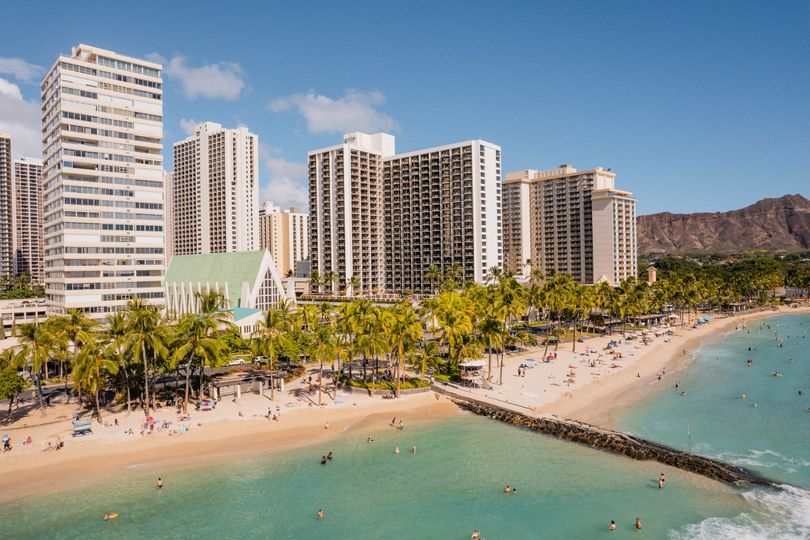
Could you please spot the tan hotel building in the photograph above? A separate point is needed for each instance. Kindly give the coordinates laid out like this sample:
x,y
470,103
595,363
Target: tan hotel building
x,y
285,233
570,222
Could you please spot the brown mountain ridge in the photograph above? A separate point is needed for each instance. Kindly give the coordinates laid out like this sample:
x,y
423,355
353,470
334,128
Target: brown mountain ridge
x,y
780,225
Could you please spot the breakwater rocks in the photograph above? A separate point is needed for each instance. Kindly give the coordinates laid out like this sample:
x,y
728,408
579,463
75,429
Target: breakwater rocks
x,y
616,442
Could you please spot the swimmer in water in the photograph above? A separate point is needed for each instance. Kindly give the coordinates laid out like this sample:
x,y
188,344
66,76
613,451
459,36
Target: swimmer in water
x,y
413,449
743,396
612,526
638,524
396,450
320,513
160,482
476,535
507,489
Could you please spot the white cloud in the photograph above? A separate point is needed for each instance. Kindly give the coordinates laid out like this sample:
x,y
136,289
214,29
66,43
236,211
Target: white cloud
x,y
287,185
8,88
355,111
21,119
223,80
189,125
21,70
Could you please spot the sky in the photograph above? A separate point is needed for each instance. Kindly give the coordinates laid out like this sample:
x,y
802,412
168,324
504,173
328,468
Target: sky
x,y
696,106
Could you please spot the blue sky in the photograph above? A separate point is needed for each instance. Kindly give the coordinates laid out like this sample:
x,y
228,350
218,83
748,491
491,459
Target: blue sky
x,y
695,105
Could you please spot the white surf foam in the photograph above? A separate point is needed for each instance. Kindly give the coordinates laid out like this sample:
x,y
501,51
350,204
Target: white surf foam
x,y
774,514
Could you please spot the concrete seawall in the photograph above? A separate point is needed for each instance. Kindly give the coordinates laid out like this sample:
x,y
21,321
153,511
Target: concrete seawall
x,y
612,441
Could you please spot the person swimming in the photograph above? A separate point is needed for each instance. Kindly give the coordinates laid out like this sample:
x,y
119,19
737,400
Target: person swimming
x,y
320,513
743,396
638,523
160,482
396,450
476,535
612,526
507,489
323,460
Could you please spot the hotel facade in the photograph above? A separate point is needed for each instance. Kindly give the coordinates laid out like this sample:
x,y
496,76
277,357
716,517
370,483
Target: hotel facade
x,y
28,218
6,207
570,222
103,208
285,233
379,219
215,191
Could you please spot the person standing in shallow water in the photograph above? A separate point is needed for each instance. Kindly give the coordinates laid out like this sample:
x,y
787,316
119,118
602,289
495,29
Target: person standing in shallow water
x,y
638,524
160,482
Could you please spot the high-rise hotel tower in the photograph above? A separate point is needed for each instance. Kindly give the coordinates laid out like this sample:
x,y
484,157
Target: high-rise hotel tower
x,y
102,126
570,222
379,220
215,191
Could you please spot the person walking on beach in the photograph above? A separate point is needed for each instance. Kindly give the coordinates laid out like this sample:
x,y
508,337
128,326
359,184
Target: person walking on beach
x,y
160,482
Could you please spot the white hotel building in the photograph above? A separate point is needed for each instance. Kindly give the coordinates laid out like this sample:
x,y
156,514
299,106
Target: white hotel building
x,y
215,191
570,222
102,126
384,218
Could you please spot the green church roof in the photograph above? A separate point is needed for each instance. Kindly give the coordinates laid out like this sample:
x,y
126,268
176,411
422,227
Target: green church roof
x,y
240,313
231,268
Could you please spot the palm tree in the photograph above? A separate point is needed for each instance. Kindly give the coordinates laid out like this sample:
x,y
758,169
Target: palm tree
x,y
323,349
582,300
269,339
315,279
405,332
491,331
427,355
116,333
509,304
144,331
193,342
214,317
433,274
36,344
91,365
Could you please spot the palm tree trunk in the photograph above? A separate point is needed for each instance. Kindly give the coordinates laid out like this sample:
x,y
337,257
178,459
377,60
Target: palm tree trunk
x,y
272,382
574,341
202,375
320,383
188,376
98,408
489,361
145,379
126,381
65,381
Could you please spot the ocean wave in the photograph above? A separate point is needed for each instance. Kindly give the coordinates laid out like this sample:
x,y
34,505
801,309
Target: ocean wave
x,y
781,514
765,459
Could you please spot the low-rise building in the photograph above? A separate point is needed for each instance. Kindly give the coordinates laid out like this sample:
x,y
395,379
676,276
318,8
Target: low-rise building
x,y
245,279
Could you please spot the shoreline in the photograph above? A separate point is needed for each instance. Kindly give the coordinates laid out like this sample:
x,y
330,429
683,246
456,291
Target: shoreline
x,y
83,463
238,429
601,402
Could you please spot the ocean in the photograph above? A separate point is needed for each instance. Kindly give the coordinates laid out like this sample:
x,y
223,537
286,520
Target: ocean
x,y
454,483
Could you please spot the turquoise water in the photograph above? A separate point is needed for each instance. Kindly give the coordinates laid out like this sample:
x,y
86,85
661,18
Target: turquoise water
x,y
451,486
768,431
454,483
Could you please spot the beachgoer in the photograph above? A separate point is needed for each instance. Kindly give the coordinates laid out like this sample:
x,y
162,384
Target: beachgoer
x,y
396,450
476,535
401,425
323,460
638,524
413,449
507,489
743,396
160,482
393,421
329,456
369,440
612,526
320,513
326,426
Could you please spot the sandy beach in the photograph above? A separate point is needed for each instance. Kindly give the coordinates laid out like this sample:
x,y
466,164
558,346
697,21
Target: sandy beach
x,y
212,437
591,385
594,383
